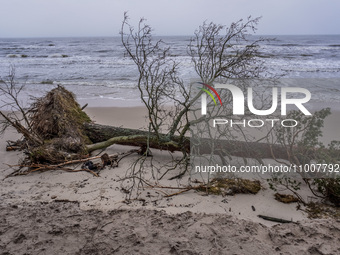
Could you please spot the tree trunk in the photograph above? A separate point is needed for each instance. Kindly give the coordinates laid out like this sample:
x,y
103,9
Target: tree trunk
x,y
103,136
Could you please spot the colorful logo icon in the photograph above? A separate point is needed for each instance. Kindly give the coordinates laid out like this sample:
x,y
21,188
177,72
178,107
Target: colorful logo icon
x,y
209,93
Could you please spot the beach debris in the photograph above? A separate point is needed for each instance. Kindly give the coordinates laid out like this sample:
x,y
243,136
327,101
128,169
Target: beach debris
x,y
216,187
66,201
225,186
109,160
91,166
287,199
317,210
275,219
253,208
224,201
15,145
88,165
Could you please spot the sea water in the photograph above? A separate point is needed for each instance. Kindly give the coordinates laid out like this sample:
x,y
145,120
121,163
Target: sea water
x,y
97,69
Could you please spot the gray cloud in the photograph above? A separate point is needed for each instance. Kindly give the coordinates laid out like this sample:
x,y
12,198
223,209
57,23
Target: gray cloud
x,y
44,18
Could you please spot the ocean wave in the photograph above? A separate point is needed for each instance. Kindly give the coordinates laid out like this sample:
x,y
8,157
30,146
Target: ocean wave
x,y
57,55
13,48
103,51
312,70
287,44
306,55
16,56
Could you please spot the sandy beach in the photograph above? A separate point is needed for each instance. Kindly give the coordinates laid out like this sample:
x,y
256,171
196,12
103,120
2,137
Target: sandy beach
x,y
57,212
162,127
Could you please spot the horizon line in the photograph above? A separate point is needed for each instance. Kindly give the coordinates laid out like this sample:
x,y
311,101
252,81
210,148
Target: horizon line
x,y
160,35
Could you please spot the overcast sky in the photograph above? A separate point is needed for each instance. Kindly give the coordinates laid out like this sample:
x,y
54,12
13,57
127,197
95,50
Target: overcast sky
x,y
55,18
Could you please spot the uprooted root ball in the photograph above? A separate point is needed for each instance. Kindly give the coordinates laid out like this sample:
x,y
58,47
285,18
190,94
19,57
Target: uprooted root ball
x,y
58,119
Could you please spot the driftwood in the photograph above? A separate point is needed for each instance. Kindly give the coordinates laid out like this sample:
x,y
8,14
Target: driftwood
x,y
275,219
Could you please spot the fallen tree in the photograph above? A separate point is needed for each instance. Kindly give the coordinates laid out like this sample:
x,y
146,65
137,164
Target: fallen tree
x,y
103,136
65,132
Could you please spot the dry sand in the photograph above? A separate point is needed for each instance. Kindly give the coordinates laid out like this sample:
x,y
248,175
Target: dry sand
x,y
63,228
35,219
